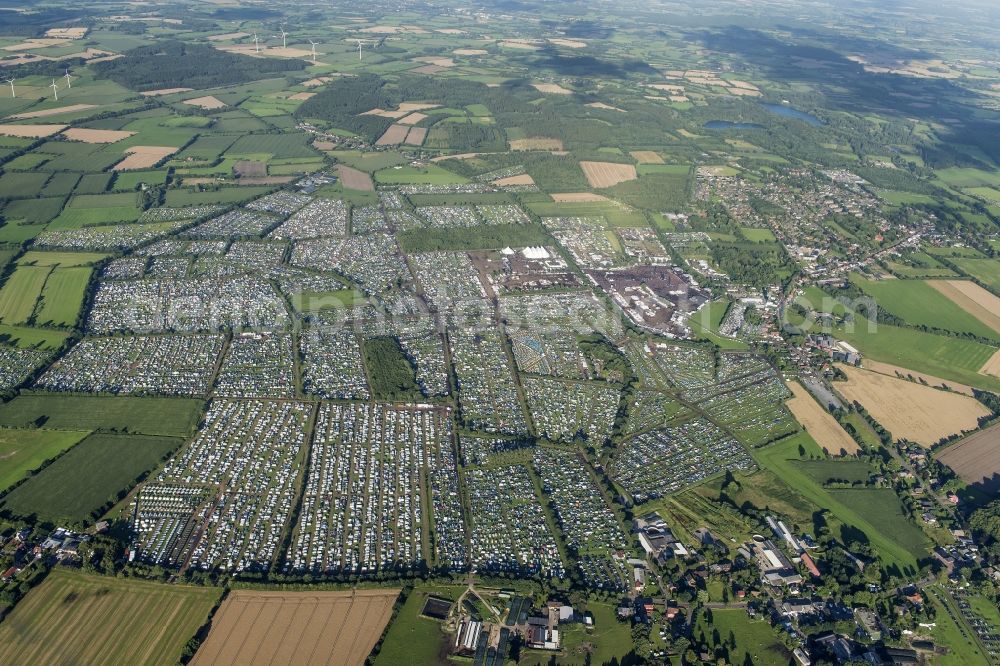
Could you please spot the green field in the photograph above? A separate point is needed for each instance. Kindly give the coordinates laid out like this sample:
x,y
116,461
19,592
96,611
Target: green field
x,y
950,630
41,258
611,639
78,618
821,471
428,175
20,293
986,271
755,641
37,338
882,509
172,417
758,235
943,356
225,195
413,638
23,450
895,540
920,304
88,477
63,296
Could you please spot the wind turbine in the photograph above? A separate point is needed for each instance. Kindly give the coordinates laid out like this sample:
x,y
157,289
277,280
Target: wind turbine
x,y
11,82
283,33
256,43
55,89
313,49
360,42
69,80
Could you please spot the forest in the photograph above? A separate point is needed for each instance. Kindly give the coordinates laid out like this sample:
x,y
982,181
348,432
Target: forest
x,y
174,64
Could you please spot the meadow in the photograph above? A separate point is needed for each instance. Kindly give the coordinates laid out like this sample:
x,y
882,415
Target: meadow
x,y
986,271
942,356
62,297
74,617
88,477
20,293
23,450
414,638
917,303
755,640
169,417
783,457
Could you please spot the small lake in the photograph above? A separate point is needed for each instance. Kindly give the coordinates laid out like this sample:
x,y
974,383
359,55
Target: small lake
x,y
791,112
726,125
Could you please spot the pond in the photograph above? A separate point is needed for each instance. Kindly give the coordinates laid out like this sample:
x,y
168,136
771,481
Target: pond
x,y
792,112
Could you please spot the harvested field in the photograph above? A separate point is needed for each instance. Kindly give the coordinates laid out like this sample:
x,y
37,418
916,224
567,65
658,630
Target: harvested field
x,y
646,157
416,136
36,43
54,112
31,131
523,44
523,179
66,33
931,380
409,107
96,135
165,91
125,621
324,145
819,423
393,136
288,52
668,87
607,174
992,366
227,36
568,43
578,197
536,143
412,119
458,156
355,180
976,458
606,107
241,182
383,113
551,89
318,81
143,157
302,96
207,102
470,52
972,298
911,411
297,627
745,92
436,60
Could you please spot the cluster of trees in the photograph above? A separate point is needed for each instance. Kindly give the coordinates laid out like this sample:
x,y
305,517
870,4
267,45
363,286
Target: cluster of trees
x,y
757,264
468,137
172,64
473,238
392,374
